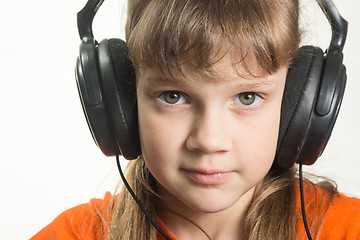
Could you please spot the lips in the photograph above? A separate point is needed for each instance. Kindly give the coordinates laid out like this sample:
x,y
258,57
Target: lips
x,y
208,177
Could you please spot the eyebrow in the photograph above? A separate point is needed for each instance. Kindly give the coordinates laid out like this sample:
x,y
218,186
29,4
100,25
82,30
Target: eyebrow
x,y
255,84
162,80
246,84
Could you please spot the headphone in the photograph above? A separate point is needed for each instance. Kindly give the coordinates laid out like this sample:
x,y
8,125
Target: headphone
x,y
312,97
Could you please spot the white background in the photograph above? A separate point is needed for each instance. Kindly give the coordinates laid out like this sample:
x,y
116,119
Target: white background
x,y
49,161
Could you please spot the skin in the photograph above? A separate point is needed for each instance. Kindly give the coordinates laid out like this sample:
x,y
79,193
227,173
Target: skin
x,y
208,142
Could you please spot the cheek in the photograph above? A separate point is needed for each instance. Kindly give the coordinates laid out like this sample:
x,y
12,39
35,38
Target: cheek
x,y
160,139
259,135
161,146
269,134
151,135
258,155
151,144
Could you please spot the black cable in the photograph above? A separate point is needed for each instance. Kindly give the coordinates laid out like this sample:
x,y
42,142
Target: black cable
x,y
138,201
303,202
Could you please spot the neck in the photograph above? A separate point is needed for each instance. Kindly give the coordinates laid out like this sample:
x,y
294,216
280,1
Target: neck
x,y
188,223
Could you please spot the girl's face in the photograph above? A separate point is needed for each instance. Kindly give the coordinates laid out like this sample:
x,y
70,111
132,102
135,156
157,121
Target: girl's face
x,y
209,142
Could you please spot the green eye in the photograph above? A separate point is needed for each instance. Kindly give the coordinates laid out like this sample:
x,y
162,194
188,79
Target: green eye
x,y
247,98
172,97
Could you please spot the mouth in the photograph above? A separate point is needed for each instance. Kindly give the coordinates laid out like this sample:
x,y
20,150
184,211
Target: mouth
x,y
208,177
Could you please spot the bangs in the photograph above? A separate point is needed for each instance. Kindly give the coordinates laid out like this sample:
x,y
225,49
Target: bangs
x,y
176,34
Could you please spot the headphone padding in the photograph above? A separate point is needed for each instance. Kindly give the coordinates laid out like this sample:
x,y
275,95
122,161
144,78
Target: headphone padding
x,y
118,82
301,89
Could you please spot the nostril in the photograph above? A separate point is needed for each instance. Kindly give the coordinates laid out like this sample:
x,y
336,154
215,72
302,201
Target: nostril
x,y
208,142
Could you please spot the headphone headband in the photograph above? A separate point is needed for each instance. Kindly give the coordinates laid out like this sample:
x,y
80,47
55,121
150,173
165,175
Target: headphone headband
x,y
85,18
334,55
338,25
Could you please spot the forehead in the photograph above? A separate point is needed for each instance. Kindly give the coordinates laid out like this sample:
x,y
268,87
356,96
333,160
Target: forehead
x,y
224,71
228,68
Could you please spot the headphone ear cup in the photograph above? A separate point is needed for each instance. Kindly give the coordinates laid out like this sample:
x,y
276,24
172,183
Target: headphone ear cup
x,y
119,87
304,127
326,110
300,93
91,96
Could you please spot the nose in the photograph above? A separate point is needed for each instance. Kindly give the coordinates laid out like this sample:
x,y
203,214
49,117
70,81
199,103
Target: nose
x,y
210,133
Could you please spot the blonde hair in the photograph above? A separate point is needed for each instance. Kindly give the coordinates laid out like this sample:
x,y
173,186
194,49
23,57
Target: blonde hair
x,y
169,35
127,219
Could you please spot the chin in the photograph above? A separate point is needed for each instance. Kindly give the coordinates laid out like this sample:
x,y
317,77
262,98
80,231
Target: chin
x,y
212,203
213,208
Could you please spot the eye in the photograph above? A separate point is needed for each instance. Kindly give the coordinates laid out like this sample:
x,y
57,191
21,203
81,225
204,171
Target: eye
x,y
172,97
247,99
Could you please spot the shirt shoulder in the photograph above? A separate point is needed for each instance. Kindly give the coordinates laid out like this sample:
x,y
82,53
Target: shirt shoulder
x,y
85,221
342,220
329,216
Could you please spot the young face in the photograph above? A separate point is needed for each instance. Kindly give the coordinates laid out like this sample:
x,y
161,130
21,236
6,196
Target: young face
x,y
209,142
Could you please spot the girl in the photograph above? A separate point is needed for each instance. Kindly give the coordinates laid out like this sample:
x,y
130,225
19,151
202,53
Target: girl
x,y
210,78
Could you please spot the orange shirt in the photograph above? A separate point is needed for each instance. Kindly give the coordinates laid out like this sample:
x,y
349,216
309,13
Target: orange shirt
x,y
342,216
342,219
80,222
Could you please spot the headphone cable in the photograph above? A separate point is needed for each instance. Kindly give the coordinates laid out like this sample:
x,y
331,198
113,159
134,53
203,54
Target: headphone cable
x,y
303,202
138,201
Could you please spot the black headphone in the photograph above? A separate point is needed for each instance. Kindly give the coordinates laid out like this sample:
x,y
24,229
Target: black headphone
x,y
313,93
